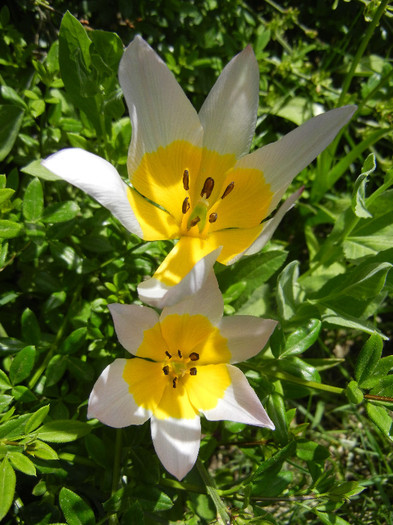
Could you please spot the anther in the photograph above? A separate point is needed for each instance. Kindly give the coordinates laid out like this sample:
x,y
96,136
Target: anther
x,y
186,180
166,370
207,188
194,356
228,190
168,354
185,206
174,382
194,221
193,371
179,354
213,217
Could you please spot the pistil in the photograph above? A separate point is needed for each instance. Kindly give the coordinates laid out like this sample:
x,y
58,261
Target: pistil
x,y
179,366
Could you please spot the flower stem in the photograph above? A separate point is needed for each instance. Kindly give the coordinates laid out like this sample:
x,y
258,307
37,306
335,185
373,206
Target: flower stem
x,y
223,516
116,472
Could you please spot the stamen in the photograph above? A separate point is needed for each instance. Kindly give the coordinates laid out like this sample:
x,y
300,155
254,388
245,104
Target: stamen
x,y
185,206
207,188
213,217
174,382
186,180
168,354
194,356
193,371
166,370
228,190
194,221
179,354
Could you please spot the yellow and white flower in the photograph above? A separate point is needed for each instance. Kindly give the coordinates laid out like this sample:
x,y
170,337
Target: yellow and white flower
x,y
191,177
181,369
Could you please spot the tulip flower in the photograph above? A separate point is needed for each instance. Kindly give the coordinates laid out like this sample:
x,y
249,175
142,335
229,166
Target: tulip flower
x,y
181,369
191,178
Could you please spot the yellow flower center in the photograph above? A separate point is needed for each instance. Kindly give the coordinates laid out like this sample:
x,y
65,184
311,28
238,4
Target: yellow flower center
x,y
180,367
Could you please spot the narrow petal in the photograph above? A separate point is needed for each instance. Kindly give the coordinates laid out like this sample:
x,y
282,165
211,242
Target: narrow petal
x,y
99,179
269,227
240,403
176,442
159,109
207,301
234,241
246,335
130,322
156,224
247,205
111,402
282,160
229,113
173,282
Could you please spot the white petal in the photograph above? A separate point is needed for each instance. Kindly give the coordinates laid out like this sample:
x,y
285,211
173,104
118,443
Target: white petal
x,y
176,442
282,160
159,110
246,335
111,402
130,322
240,403
99,179
271,225
207,301
229,113
159,295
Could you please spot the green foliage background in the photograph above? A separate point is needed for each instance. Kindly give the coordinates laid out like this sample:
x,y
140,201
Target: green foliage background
x,y
326,377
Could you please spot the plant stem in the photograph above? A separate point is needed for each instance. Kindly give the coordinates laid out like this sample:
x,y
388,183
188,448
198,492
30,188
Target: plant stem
x,y
223,516
112,520
361,49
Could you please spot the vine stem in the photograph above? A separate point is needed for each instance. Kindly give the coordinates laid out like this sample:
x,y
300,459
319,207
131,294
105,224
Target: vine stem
x,y
223,516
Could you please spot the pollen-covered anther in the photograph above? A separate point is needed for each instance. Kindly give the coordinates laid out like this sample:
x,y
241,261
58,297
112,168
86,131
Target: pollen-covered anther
x,y
193,371
168,354
185,206
228,190
174,382
207,188
213,217
186,180
180,354
194,221
194,356
166,370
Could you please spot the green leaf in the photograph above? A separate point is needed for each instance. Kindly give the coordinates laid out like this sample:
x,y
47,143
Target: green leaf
x,y
33,201
42,451
368,358
7,487
6,194
22,364
288,291
30,328
311,451
22,463
11,118
36,419
302,338
36,169
63,431
353,393
74,341
14,428
276,460
76,69
76,511
4,381
60,212
380,417
55,370
9,229
359,192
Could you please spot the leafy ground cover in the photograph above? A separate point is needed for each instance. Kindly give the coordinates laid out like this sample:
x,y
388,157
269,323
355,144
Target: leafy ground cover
x,y
325,377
